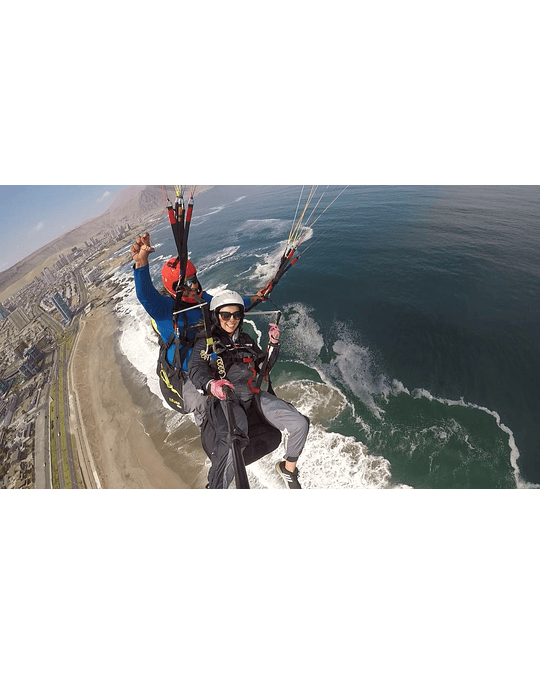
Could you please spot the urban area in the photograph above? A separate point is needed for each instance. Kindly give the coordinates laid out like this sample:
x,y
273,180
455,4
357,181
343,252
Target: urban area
x,y
38,325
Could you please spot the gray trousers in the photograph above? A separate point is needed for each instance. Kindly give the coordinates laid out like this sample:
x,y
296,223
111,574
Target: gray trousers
x,y
285,417
194,402
278,413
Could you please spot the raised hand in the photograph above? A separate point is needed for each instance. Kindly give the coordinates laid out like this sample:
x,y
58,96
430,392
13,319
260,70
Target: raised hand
x,y
274,333
141,249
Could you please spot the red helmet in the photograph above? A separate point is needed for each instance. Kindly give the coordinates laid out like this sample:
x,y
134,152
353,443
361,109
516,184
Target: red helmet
x,y
171,274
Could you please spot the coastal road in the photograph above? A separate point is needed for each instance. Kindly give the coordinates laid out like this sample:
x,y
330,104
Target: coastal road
x,y
62,428
86,462
54,386
89,477
83,293
59,369
42,443
71,463
58,450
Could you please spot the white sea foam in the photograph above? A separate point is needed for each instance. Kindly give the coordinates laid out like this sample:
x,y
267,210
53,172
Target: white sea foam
x,y
352,369
213,211
302,334
353,364
355,367
514,452
265,270
208,262
257,332
304,234
256,227
138,340
329,460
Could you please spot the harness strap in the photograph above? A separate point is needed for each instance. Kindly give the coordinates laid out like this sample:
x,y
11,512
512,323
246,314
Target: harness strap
x,y
254,389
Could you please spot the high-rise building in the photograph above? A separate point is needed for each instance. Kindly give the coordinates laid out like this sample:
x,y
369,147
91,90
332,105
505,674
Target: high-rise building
x,y
62,307
28,369
62,260
48,276
33,354
3,312
32,357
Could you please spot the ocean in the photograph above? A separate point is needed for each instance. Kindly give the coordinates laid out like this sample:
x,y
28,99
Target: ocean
x,y
410,329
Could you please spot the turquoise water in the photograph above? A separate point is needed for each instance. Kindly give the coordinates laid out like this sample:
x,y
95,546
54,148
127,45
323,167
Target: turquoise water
x,y
417,305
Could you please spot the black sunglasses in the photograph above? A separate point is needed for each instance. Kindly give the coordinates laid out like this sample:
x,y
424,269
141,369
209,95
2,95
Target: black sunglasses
x,y
226,316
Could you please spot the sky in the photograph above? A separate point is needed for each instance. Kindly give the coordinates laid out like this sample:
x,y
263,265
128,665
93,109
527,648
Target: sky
x,y
34,215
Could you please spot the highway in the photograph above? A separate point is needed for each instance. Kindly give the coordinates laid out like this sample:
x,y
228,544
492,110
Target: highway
x,y
42,442
58,383
71,463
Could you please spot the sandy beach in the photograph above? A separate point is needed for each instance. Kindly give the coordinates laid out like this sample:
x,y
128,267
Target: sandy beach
x,y
117,451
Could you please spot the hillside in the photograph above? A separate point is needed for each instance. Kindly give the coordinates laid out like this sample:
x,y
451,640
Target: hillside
x,y
136,204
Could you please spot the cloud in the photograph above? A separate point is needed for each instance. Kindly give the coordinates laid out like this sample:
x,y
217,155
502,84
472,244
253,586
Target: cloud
x,y
39,226
104,196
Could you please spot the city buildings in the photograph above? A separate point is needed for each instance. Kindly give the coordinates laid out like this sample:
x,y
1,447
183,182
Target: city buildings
x,y
62,307
4,388
18,319
48,276
31,364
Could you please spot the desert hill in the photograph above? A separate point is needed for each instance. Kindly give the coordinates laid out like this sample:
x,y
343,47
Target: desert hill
x,y
134,205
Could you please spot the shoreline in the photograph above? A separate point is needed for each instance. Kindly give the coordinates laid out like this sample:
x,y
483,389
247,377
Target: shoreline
x,y
119,424
111,434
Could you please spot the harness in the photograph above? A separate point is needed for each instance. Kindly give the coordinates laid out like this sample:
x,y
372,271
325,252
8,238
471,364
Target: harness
x,y
232,354
171,377
185,334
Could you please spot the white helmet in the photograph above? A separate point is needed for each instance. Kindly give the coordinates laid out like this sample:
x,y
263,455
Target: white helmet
x,y
226,298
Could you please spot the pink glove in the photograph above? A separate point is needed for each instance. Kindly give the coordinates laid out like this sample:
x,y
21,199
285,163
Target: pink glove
x,y
273,334
216,388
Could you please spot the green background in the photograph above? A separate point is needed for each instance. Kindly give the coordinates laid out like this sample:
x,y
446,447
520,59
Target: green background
x,y
404,93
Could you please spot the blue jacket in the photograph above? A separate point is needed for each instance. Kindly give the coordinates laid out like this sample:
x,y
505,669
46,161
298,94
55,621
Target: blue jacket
x,y
160,308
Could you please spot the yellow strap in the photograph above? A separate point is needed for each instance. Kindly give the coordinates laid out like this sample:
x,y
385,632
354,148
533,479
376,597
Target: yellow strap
x,y
165,379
